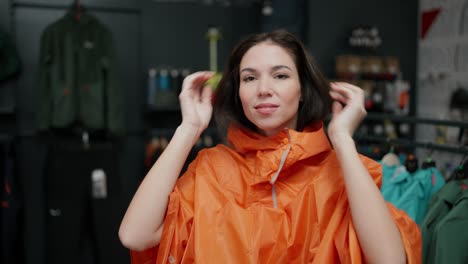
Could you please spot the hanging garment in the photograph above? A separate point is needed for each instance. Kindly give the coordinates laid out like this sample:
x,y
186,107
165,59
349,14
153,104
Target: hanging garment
x,y
77,79
278,199
395,181
416,196
9,60
440,205
450,236
84,202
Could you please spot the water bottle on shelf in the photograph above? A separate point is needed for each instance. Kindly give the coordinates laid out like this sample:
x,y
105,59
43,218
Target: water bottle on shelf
x,y
151,95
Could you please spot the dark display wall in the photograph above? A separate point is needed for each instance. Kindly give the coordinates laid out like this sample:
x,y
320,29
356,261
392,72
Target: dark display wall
x,y
290,15
4,14
175,34
330,24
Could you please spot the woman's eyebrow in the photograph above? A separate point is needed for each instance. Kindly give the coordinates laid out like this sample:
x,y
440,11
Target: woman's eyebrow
x,y
274,68
248,70
278,67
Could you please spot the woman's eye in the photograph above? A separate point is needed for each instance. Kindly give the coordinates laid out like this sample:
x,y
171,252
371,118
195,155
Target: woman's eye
x,y
249,78
281,76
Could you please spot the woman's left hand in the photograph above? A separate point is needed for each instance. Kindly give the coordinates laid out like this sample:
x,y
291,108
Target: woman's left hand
x,y
347,110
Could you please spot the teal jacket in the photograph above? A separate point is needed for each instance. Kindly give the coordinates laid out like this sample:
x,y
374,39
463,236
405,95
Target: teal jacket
x,y
410,192
416,197
77,79
445,236
395,180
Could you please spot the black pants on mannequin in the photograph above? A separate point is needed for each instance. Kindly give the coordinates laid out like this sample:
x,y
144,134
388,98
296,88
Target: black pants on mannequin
x,y
83,228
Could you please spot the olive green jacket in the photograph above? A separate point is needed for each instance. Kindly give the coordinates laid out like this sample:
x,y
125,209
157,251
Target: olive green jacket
x,y
444,229
77,79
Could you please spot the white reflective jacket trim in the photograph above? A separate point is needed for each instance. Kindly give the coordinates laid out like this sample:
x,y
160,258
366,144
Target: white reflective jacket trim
x,y
275,177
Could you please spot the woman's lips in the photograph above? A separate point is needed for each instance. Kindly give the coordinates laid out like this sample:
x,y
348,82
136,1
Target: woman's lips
x,y
266,109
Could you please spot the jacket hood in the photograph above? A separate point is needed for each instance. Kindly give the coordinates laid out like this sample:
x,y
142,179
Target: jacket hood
x,y
269,150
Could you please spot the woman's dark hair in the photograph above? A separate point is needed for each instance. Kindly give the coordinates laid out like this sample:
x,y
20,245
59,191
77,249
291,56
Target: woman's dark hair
x,y
316,100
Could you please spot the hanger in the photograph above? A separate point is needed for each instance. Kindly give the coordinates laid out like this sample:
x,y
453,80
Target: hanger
x,y
411,163
391,159
460,171
77,9
429,162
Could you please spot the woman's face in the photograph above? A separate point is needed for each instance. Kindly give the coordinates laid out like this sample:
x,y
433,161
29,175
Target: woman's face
x,y
270,89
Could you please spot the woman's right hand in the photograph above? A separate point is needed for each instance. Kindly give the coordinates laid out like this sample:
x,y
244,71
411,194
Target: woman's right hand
x,y
141,226
195,101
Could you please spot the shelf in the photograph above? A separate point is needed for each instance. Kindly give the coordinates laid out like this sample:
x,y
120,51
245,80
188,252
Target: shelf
x,y
132,9
367,76
169,108
164,131
415,120
413,144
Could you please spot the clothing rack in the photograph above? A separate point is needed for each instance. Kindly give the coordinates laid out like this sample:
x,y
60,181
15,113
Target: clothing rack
x,y
67,6
415,120
414,143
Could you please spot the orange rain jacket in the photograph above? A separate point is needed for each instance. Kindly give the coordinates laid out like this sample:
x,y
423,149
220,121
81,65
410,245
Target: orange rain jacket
x,y
278,199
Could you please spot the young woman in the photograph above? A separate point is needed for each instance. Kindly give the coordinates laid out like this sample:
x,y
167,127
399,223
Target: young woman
x,y
279,190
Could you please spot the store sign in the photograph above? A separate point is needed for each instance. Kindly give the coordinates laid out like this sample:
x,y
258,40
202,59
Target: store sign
x,y
365,37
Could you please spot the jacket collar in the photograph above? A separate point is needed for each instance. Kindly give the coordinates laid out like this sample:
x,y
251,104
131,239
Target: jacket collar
x,y
453,191
267,151
85,18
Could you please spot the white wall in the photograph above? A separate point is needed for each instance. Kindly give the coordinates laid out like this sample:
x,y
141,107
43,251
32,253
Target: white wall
x,y
442,68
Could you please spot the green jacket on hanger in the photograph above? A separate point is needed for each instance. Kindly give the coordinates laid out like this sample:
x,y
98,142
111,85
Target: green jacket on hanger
x,y
77,78
448,209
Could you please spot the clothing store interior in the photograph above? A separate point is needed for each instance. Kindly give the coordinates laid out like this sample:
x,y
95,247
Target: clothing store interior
x,y
72,159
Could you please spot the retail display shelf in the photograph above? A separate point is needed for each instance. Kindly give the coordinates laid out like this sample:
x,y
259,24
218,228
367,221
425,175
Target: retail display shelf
x,y
158,110
32,4
413,144
415,120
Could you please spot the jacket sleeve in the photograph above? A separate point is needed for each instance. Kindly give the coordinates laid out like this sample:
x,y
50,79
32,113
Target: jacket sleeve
x,y
409,230
177,224
44,104
410,235
115,110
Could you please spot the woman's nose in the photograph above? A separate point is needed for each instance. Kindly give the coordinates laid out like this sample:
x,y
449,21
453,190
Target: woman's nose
x,y
264,87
